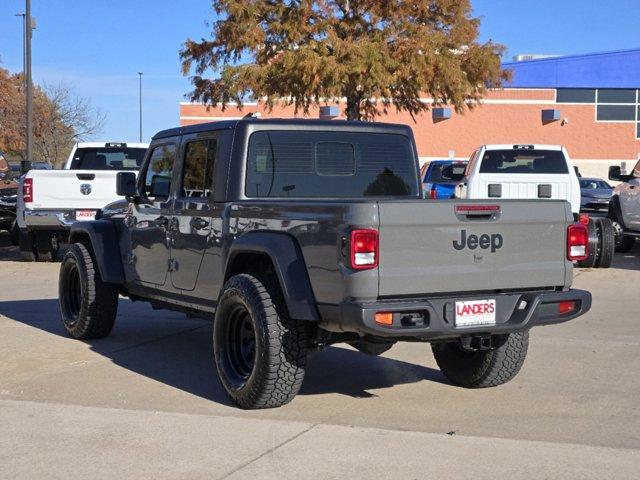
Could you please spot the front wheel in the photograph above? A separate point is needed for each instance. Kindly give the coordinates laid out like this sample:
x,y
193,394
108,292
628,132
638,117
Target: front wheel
x,y
483,368
260,353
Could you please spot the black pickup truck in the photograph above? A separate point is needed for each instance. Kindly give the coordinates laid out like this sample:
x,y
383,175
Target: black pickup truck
x,y
296,234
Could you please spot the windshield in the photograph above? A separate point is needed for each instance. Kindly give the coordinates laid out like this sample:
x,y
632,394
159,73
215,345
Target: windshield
x,y
593,184
330,164
523,161
448,171
108,158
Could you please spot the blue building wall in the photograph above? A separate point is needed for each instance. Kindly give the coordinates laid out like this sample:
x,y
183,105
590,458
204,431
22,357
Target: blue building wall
x,y
619,69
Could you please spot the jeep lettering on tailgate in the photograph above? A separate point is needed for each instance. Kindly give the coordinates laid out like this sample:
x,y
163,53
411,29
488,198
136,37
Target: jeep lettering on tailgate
x,y
473,241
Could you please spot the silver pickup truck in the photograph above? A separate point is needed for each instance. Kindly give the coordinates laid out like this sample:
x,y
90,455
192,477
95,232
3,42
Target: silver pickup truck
x,y
293,235
624,207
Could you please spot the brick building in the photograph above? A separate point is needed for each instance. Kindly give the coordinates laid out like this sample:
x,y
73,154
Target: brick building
x,y
588,103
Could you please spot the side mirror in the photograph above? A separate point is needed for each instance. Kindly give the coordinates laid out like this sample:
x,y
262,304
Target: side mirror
x,y
615,174
126,185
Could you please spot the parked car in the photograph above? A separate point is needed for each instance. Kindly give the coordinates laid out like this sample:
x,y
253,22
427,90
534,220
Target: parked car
x,y
8,196
535,172
440,177
624,208
51,200
212,227
16,167
595,194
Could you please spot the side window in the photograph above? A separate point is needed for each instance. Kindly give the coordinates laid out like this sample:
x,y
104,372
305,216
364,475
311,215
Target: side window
x,y
197,174
157,180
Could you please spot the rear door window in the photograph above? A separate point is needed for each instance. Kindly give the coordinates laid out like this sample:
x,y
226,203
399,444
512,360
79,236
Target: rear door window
x,y
330,164
523,161
197,174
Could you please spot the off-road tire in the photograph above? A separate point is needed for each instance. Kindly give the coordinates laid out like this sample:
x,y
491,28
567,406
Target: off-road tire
x,y
275,375
606,242
481,369
46,247
88,306
27,247
371,348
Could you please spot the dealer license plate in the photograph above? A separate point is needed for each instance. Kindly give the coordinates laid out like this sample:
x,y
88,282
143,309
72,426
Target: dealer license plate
x,y
475,312
85,215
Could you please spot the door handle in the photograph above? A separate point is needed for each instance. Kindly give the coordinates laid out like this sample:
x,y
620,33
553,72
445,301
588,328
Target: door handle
x,y
199,223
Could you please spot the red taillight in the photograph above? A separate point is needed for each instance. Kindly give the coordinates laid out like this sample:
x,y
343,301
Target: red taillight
x,y
364,249
432,193
577,242
566,307
27,190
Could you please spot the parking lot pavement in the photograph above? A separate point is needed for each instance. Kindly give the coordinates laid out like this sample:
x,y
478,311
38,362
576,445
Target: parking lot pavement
x,y
145,402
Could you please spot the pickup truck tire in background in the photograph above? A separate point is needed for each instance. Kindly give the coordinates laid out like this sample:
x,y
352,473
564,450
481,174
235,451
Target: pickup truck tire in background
x,y
27,246
594,245
260,352
46,246
88,305
482,368
606,242
15,234
623,243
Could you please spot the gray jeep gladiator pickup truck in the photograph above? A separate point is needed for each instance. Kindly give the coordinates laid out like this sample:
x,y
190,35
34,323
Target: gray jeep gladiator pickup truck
x,y
297,234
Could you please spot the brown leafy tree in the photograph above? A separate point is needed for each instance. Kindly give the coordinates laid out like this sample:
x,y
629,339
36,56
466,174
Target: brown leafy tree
x,y
373,53
59,119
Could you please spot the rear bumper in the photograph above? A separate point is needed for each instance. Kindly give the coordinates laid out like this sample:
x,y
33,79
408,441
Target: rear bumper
x,y
514,312
49,219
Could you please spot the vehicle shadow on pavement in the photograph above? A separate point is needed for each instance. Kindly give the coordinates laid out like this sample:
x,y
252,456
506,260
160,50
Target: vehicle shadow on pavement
x,y
174,350
629,260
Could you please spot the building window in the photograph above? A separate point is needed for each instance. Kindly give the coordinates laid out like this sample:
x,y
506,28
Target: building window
x,y
638,130
575,95
618,95
619,113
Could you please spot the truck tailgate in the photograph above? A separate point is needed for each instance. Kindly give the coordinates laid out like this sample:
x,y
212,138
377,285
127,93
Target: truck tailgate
x,y
523,186
429,247
72,189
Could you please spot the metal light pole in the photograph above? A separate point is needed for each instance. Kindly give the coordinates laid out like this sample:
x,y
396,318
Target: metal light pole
x,y
140,99
24,46
26,162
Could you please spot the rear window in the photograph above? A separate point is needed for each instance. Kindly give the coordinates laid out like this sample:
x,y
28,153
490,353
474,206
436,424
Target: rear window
x,y
443,172
523,161
330,164
111,158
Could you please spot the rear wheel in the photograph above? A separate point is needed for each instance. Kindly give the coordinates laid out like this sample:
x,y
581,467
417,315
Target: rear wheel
x,y
14,233
46,246
483,368
260,352
87,305
606,242
623,243
27,246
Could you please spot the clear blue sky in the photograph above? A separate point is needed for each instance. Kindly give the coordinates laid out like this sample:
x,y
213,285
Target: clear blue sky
x,y
97,46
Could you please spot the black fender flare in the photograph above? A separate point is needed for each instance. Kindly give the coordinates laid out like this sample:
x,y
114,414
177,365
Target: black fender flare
x,y
615,212
106,249
289,265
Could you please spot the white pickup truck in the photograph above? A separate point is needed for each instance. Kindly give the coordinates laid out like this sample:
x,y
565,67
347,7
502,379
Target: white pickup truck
x,y
535,172
52,200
